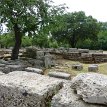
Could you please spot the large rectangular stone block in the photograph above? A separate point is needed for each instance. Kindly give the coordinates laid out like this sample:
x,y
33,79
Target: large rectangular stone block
x,y
24,89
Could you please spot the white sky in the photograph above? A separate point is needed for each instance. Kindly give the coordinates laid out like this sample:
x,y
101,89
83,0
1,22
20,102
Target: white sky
x,y
95,8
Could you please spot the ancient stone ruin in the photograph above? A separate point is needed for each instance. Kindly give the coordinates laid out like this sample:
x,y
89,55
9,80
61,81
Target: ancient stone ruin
x,y
23,82
27,89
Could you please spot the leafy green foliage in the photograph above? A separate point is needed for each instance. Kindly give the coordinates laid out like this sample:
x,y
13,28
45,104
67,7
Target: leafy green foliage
x,y
26,41
28,14
102,40
77,26
40,40
6,40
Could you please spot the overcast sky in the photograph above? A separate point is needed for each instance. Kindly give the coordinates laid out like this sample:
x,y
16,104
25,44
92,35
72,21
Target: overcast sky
x,y
96,8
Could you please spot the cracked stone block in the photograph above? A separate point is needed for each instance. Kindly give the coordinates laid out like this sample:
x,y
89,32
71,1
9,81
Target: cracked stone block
x,y
78,67
27,89
61,75
93,68
92,87
35,70
67,97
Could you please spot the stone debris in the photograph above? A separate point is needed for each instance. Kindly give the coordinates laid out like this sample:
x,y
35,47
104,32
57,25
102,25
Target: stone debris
x,y
93,68
78,67
26,89
11,68
35,70
68,98
92,87
61,75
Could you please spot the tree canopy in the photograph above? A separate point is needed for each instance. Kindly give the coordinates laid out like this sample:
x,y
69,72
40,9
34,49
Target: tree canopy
x,y
77,27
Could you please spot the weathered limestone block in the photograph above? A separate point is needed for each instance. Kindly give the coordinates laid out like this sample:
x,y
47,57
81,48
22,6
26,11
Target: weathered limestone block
x,y
72,50
40,55
68,98
24,89
78,67
83,50
14,68
48,60
61,75
35,70
86,55
93,68
92,87
36,63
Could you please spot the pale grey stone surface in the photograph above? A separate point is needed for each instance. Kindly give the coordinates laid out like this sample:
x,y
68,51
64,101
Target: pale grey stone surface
x,y
24,89
93,68
35,70
83,50
92,87
11,68
72,50
62,75
68,98
48,60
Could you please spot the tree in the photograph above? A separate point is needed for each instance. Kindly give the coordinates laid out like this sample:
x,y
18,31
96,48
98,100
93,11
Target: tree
x,y
77,27
23,16
102,36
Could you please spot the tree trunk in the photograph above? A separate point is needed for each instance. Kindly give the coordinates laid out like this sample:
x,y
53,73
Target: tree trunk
x,y
73,41
18,40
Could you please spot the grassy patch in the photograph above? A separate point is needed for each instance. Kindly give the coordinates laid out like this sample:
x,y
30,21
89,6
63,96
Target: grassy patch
x,y
66,66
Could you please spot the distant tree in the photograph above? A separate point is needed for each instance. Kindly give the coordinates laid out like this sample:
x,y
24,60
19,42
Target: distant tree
x,y
77,26
102,36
